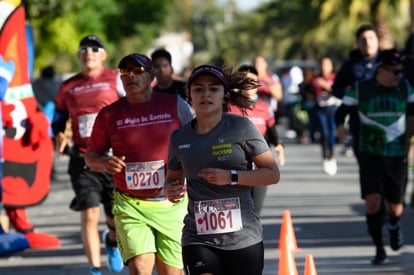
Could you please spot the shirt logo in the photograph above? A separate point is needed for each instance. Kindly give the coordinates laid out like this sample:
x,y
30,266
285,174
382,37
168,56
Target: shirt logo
x,y
184,146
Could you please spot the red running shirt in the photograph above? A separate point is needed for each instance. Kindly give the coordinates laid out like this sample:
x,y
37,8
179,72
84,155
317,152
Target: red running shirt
x,y
261,115
83,96
140,132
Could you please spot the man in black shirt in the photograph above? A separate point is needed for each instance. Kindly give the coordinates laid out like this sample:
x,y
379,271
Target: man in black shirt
x,y
163,70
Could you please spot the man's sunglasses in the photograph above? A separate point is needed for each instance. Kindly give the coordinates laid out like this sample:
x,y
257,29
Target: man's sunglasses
x,y
135,71
396,72
95,49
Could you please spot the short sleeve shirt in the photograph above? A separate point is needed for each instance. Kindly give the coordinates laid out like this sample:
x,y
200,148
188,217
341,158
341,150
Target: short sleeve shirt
x,y
260,114
230,145
382,114
83,96
140,132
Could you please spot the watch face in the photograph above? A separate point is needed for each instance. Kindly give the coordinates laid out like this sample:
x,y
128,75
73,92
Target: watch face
x,y
234,176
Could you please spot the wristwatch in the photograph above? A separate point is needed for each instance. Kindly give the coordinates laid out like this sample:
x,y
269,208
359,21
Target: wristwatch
x,y
234,177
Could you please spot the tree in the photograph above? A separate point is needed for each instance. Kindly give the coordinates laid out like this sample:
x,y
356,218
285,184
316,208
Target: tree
x,y
125,26
388,16
278,29
411,15
310,29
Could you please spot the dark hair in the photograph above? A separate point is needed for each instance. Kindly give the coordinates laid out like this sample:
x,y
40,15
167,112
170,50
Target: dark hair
x,y
234,82
161,53
248,68
364,28
238,82
48,72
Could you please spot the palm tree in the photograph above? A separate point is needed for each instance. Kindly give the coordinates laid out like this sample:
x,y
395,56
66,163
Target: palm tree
x,y
388,16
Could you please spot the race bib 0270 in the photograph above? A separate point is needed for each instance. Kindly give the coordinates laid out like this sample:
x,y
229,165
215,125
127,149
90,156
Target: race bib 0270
x,y
145,175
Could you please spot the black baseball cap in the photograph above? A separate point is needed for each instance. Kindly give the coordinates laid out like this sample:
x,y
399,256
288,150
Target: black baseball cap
x,y
389,58
91,40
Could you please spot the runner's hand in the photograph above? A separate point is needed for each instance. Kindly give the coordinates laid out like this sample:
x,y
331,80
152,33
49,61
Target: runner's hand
x,y
173,190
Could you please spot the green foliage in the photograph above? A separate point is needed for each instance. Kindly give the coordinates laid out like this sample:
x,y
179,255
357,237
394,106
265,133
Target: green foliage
x,y
125,26
310,29
279,29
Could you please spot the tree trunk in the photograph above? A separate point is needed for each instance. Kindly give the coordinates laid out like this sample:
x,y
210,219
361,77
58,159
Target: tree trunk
x,y
411,15
386,40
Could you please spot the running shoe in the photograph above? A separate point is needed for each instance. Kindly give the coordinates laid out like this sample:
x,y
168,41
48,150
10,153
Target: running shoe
x,y
396,238
115,261
330,167
380,257
94,271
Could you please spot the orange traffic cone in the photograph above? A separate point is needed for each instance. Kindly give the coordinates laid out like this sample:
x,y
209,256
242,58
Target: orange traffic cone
x,y
287,230
287,264
310,268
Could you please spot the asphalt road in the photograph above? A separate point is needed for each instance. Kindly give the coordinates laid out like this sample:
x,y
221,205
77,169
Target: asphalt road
x,y
327,214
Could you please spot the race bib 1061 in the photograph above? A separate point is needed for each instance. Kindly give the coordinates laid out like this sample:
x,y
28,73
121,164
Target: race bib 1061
x,y
218,216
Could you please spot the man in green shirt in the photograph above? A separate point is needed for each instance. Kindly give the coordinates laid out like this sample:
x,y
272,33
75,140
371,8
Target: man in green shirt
x,y
383,104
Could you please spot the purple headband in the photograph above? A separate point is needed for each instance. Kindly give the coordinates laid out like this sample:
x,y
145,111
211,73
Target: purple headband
x,y
208,69
140,59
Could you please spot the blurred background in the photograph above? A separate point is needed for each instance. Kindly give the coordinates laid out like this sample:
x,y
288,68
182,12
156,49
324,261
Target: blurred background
x,y
213,31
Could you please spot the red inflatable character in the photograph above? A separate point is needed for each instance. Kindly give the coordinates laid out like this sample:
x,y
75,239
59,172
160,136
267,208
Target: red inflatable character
x,y
27,145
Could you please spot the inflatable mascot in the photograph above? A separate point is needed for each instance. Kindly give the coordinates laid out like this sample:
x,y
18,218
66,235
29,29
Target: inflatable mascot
x,y
27,148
